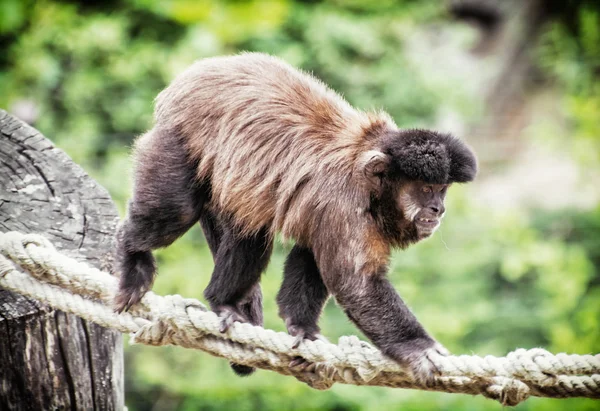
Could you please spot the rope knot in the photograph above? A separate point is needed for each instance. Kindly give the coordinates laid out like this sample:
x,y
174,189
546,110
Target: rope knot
x,y
532,364
322,378
165,326
508,391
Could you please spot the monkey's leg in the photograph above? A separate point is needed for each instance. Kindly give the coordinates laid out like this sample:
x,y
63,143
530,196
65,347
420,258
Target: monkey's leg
x,y
166,203
249,307
239,263
301,299
213,231
302,295
233,292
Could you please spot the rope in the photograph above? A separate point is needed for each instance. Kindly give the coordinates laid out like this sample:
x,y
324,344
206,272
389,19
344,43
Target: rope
x,y
30,265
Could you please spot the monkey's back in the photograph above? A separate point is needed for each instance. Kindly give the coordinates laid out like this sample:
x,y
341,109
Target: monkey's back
x,y
276,144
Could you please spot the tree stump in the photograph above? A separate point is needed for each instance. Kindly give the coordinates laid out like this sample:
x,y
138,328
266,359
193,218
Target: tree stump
x,y
49,359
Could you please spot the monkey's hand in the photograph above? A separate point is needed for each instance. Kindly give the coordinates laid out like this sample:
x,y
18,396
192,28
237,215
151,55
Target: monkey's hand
x,y
418,356
228,314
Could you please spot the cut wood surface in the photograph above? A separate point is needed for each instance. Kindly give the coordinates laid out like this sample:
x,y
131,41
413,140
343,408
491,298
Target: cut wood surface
x,y
49,359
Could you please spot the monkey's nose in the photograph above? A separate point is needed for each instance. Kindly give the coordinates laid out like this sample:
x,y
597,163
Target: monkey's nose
x,y
437,210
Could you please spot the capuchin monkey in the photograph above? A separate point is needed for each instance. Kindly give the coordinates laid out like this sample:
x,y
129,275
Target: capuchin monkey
x,y
249,146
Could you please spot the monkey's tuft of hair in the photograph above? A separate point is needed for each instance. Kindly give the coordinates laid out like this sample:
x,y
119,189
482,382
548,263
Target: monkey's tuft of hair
x,y
429,156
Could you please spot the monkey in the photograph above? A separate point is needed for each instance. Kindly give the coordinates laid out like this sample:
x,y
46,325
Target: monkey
x,y
249,146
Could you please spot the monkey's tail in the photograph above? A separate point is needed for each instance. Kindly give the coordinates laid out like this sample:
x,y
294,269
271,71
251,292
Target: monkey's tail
x,y
241,370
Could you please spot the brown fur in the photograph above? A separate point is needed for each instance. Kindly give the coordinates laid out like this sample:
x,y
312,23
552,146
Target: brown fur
x,y
275,142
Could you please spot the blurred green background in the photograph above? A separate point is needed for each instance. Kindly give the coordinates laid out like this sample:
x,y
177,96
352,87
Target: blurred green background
x,y
517,260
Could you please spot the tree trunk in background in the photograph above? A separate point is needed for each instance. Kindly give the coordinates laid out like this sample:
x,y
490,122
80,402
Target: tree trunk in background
x,y
49,359
509,32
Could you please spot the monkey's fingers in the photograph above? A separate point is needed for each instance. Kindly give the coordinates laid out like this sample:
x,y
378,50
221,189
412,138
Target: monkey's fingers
x,y
301,334
441,350
299,338
228,316
299,364
437,350
424,368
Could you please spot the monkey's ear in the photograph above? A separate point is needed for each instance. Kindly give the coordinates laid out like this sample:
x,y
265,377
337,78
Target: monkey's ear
x,y
372,165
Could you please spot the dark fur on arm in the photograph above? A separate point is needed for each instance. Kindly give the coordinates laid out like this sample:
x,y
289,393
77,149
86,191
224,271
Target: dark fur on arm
x,y
370,301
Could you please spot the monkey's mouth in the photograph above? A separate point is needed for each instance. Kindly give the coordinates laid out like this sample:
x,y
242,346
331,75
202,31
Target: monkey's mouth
x,y
427,223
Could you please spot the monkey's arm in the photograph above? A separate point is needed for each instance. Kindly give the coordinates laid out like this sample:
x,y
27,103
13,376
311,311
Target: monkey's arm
x,y
375,307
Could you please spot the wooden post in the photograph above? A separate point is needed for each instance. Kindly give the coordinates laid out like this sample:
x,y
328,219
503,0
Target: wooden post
x,y
49,359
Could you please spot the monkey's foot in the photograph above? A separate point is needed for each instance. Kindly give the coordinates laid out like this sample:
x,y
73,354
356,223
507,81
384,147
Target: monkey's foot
x,y
419,361
126,298
229,314
137,274
301,334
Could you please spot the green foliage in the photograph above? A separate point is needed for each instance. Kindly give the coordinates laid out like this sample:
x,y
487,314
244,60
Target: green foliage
x,y
489,282
570,54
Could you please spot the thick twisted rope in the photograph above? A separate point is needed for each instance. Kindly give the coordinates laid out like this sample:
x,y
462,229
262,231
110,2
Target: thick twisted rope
x,y
30,265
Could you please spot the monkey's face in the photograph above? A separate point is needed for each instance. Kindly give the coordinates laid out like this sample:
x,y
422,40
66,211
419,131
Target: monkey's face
x,y
422,206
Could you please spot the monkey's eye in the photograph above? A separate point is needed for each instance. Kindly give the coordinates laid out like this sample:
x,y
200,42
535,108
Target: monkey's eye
x,y
426,189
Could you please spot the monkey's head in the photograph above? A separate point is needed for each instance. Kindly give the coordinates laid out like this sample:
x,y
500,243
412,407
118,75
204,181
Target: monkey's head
x,y
408,176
